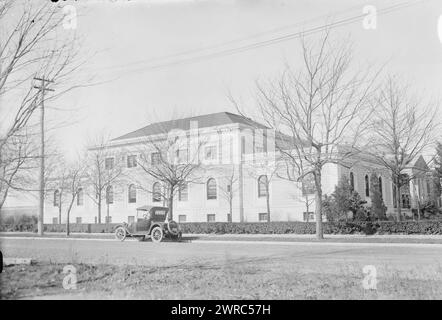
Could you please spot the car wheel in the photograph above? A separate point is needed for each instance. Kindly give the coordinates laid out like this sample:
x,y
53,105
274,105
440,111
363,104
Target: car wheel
x,y
120,233
156,235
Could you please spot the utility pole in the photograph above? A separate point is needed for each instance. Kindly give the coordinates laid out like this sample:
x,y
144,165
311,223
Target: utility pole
x,y
42,88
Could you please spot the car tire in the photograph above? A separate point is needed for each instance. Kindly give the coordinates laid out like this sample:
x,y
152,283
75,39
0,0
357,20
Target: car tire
x,y
120,233
157,234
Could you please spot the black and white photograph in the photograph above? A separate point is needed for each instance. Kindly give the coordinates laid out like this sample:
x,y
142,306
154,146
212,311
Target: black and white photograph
x,y
239,151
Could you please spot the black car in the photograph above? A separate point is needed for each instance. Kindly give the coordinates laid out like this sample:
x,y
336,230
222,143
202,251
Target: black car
x,y
153,222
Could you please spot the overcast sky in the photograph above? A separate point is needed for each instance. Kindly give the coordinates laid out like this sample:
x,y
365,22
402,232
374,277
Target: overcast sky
x,y
120,39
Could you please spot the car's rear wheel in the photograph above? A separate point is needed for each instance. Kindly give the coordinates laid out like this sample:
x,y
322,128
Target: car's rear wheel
x,y
120,233
157,234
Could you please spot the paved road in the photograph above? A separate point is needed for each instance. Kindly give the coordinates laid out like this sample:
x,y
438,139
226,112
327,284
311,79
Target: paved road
x,y
311,256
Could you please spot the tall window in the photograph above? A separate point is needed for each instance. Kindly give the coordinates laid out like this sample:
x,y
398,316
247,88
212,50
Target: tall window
x,y
211,189
56,198
156,192
308,185
132,194
210,153
262,186
393,186
80,197
131,161
352,181
155,158
380,187
183,192
182,155
367,186
109,163
109,195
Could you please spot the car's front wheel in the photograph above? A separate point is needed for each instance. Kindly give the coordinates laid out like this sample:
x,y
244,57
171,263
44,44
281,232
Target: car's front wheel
x,y
157,234
120,233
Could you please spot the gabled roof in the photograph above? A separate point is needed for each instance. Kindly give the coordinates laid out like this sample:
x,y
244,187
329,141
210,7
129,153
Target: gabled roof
x,y
204,121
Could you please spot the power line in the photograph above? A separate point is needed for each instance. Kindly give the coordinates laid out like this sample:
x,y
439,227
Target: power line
x,y
223,44
271,41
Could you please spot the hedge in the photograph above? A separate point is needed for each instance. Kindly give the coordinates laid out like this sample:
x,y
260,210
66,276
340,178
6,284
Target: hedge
x,y
293,227
358,227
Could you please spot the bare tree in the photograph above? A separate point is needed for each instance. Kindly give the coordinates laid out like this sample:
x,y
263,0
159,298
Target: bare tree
x,y
171,160
74,180
30,47
17,161
229,186
104,171
320,109
403,128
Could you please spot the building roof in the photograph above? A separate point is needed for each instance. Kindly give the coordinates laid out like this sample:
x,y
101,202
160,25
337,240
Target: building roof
x,y
204,121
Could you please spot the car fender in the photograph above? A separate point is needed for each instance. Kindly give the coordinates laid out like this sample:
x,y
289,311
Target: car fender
x,y
155,225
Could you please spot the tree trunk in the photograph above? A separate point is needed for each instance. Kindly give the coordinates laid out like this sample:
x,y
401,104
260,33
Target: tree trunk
x,y
67,216
268,204
230,208
99,208
318,203
170,203
398,202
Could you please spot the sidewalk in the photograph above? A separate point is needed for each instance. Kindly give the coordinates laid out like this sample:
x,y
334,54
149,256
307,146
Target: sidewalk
x,y
397,238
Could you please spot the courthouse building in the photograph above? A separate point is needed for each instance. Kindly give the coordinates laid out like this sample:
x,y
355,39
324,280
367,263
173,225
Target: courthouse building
x,y
238,162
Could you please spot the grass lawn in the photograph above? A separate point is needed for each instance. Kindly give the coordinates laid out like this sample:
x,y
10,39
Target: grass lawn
x,y
253,279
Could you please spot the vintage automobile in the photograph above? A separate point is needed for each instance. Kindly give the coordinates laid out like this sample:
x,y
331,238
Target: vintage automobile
x,y
151,221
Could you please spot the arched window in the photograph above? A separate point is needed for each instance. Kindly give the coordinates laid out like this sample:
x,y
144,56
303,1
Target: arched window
x,y
367,186
56,198
352,181
156,192
211,189
132,193
80,197
109,195
262,186
380,186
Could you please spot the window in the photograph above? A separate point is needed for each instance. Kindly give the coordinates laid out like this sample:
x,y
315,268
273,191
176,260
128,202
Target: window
x,y
210,218
130,219
80,197
132,193
393,186
109,195
263,217
109,163
78,220
352,181
210,153
155,158
183,192
229,188
262,186
156,192
309,216
182,155
405,201
56,198
308,185
380,187
108,219
367,186
182,218
54,220
229,217
211,189
131,161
